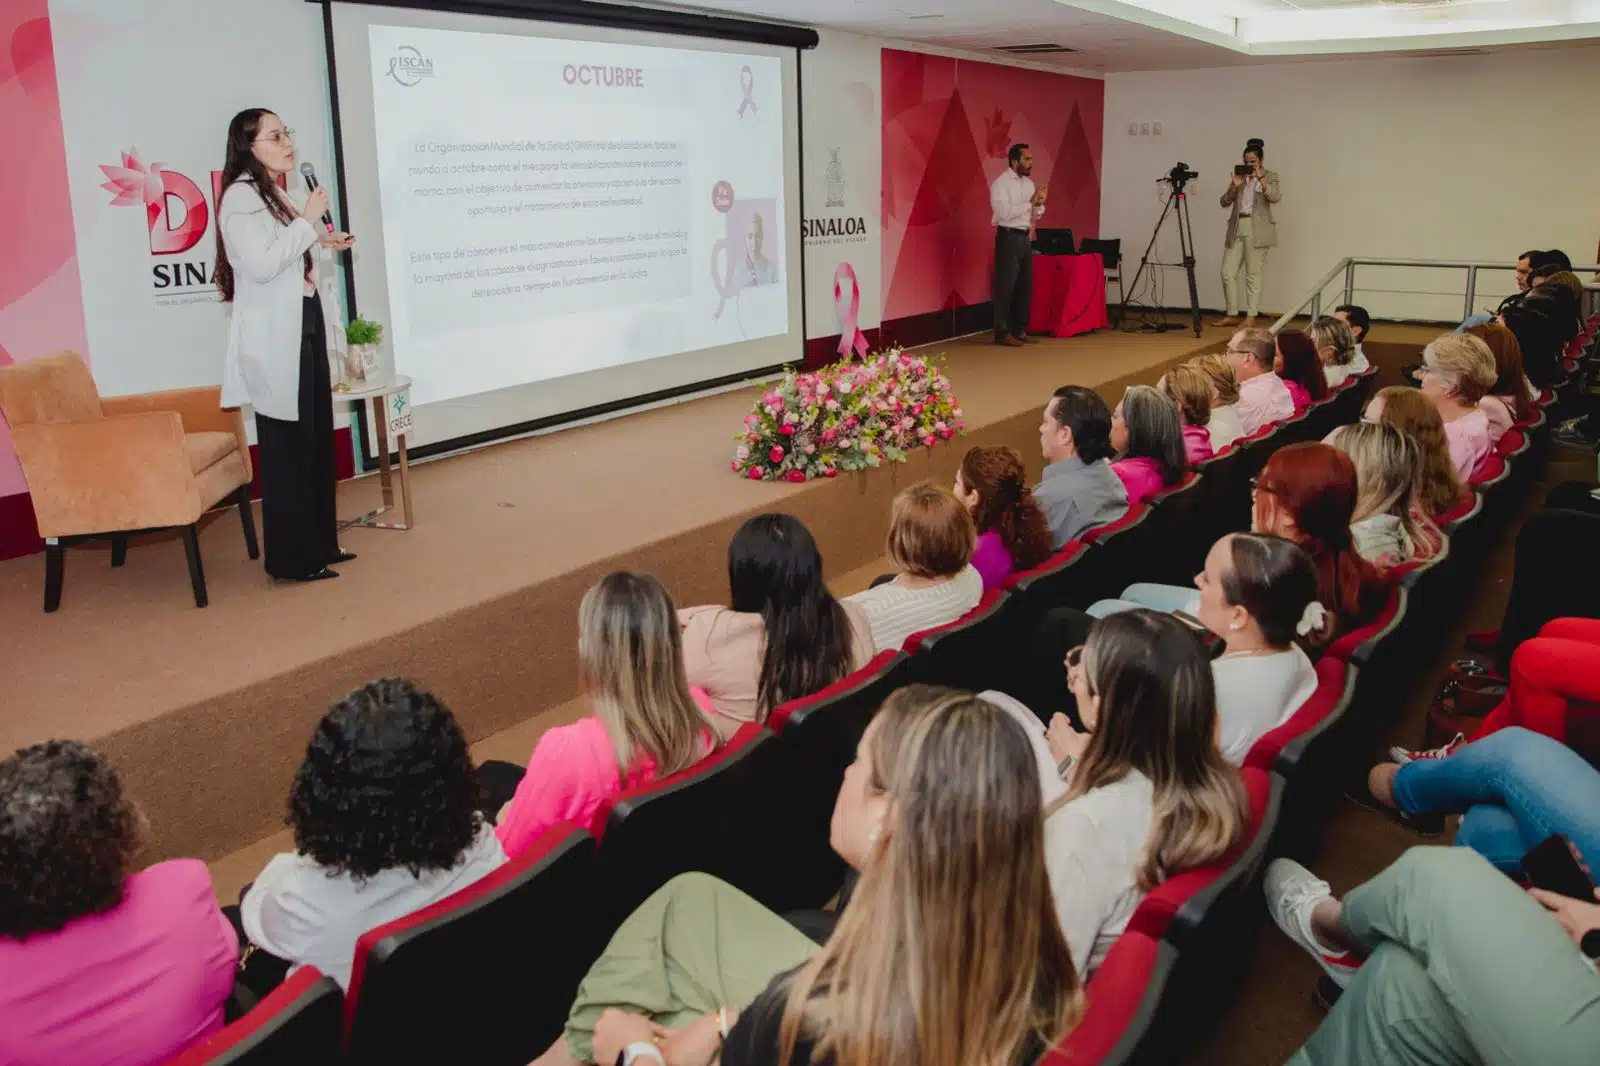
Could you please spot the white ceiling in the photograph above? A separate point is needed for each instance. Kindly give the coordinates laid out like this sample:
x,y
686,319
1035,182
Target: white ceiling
x,y
1124,35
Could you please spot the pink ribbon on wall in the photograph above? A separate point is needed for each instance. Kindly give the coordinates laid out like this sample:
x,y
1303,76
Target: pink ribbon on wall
x,y
851,338
747,82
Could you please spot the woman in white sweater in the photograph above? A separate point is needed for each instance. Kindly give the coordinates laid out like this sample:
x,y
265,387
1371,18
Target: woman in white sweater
x,y
1148,794
931,538
277,354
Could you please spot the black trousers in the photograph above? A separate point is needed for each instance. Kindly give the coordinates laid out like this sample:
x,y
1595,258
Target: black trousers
x,y
1013,281
1557,571
297,471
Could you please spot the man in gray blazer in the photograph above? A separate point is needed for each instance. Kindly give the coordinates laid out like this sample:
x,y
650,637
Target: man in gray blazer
x,y
1251,232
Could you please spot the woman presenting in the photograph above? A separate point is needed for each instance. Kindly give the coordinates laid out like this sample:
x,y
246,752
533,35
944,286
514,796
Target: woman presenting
x,y
277,357
1250,194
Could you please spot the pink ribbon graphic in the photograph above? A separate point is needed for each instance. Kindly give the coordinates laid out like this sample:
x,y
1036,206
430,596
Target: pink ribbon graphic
x,y
747,81
851,338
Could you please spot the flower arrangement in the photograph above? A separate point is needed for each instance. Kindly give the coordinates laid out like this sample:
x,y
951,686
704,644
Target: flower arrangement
x,y
847,416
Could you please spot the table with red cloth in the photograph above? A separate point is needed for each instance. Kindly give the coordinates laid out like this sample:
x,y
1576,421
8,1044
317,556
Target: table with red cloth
x,y
1069,295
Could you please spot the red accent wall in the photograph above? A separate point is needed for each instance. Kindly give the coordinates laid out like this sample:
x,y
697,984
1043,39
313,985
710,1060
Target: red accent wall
x,y
947,127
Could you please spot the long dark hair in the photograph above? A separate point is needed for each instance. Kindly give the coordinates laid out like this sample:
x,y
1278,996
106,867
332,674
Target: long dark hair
x,y
775,570
238,163
1300,363
1006,504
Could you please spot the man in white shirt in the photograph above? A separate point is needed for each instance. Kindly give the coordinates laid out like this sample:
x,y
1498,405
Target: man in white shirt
x,y
1263,397
1015,205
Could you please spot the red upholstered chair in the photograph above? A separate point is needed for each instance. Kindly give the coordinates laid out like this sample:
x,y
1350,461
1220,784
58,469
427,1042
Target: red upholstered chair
x,y
975,652
1489,471
1133,516
297,1024
486,975
817,738
1310,752
1183,960
1360,645
1469,508
1285,748
710,817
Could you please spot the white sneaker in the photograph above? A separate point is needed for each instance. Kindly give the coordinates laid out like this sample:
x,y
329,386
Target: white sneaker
x,y
1292,891
1443,751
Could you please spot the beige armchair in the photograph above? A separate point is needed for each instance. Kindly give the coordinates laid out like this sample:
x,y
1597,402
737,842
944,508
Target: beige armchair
x,y
126,464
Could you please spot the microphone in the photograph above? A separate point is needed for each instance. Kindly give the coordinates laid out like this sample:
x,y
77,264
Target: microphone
x,y
309,172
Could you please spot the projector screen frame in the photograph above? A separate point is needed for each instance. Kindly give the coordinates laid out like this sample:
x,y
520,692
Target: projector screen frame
x,y
581,13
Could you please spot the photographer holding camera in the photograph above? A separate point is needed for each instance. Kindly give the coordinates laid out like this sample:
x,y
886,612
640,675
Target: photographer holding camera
x,y
1250,194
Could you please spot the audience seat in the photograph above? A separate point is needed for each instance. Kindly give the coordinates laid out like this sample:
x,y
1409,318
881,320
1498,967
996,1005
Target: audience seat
x,y
486,975
1311,752
710,817
1224,504
793,806
297,1024
1178,517
1118,552
972,653
1161,998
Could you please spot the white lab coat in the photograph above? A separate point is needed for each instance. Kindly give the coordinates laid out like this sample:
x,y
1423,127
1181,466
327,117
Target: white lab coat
x,y
262,364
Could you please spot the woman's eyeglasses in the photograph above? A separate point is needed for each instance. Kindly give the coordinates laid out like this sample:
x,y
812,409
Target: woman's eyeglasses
x,y
278,136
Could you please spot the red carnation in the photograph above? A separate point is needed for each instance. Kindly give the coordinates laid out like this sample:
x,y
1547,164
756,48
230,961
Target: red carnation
x,y
786,429
795,476
756,473
776,454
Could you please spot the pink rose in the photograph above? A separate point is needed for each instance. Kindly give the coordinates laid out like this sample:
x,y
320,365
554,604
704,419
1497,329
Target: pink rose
x,y
742,453
928,440
795,476
734,466
786,429
939,426
811,449
947,433
833,405
776,454
791,418
756,473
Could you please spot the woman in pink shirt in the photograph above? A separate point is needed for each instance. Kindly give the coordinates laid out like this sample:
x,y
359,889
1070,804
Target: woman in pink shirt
x,y
645,723
1189,388
1298,364
1013,534
1458,371
1149,441
98,966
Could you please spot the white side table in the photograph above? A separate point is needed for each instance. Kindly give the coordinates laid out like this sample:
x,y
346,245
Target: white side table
x,y
391,415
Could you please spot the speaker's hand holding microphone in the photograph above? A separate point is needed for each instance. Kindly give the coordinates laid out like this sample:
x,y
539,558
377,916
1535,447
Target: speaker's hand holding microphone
x,y
319,208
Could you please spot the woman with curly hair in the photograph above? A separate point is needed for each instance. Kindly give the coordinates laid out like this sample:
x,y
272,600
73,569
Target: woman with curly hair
x,y
100,964
1013,534
385,813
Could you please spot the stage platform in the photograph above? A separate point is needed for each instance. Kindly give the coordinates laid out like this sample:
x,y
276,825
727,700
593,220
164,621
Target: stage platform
x,y
207,712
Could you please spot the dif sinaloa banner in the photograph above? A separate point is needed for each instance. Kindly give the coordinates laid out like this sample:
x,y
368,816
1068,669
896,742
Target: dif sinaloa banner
x,y
841,84
147,88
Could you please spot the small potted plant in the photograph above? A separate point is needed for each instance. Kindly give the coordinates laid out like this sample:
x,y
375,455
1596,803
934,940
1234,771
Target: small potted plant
x,y
362,337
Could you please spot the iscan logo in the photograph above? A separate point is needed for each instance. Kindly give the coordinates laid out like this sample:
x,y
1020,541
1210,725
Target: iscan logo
x,y
408,66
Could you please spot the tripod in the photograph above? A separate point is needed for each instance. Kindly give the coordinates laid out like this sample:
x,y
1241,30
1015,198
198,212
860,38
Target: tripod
x,y
1177,205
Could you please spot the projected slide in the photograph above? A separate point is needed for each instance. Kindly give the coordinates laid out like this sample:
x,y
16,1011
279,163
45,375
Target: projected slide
x,y
555,206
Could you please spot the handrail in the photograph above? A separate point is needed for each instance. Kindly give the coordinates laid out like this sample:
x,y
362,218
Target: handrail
x,y
1347,267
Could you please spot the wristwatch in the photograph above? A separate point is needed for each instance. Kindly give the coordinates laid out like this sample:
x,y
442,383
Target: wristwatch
x,y
639,1053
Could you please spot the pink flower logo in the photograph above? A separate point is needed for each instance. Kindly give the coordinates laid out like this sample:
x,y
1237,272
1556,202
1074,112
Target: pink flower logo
x,y
134,183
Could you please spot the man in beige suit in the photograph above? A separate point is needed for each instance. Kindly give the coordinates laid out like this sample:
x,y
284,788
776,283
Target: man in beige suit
x,y
1250,233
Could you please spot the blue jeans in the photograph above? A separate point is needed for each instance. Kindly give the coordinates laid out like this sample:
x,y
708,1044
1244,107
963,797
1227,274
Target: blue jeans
x,y
1516,787
1163,598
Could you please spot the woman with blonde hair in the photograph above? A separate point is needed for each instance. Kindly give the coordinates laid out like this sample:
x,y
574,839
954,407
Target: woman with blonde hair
x,y
1149,794
1387,529
1013,533
1457,371
948,952
1336,350
1148,438
645,724
931,540
1224,426
1439,486
1189,388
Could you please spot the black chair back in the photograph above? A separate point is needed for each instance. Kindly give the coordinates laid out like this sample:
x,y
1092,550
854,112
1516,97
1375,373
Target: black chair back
x,y
975,652
487,975
297,1024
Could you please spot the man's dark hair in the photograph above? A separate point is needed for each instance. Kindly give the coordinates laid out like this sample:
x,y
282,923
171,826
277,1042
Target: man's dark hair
x,y
1538,262
1560,258
1083,412
1358,318
386,783
1016,153
1531,256
1545,270
68,835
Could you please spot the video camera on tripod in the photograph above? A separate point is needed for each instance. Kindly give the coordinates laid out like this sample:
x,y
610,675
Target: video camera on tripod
x,y
1177,204
1179,176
